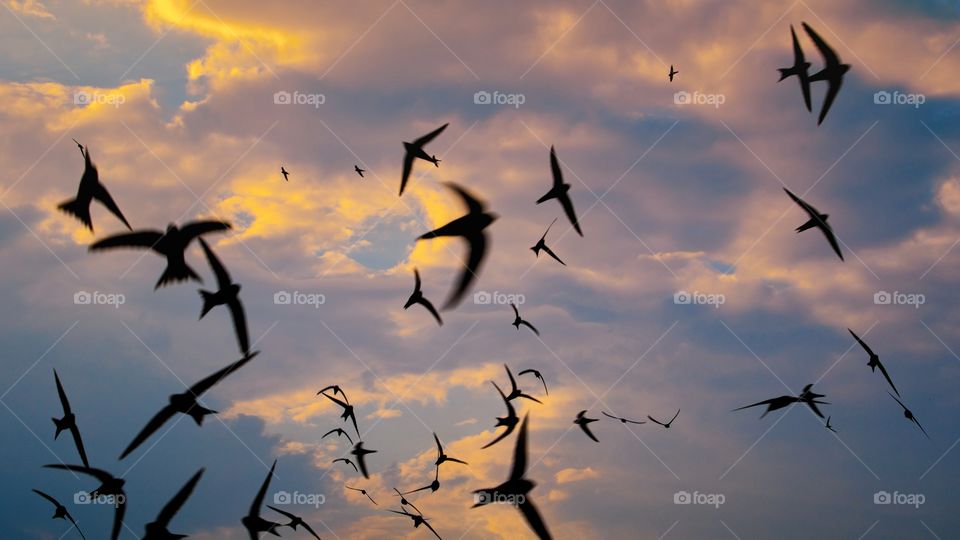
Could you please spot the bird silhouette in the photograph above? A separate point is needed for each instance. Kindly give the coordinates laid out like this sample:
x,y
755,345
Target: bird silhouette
x,y
347,410
538,375
800,69
622,420
227,295
832,72
285,173
110,486
418,520
908,414
667,425
90,189
359,170
252,521
817,220
171,244
417,298
415,150
517,487
432,486
363,491
874,362
560,192
777,403
340,433
336,390
405,502
442,457
583,421
828,426
542,245
60,511
69,421
471,228
517,320
360,453
509,422
346,460
186,403
672,72
295,521
515,392
157,529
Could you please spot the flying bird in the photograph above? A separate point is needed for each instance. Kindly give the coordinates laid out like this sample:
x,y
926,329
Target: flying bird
x,y
227,295
359,170
347,410
345,460
171,244
817,220
186,403
405,502
672,72
361,454
285,173
832,72
432,486
90,189
157,529
542,245
583,421
414,151
336,390
874,362
667,425
517,487
622,420
69,421
417,298
800,68
560,192
340,433
363,491
509,422
908,414
773,404
515,392
110,486
442,457
828,426
418,520
295,521
471,228
538,375
517,320
252,521
60,511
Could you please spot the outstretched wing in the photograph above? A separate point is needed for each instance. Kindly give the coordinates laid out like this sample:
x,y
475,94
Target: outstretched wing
x,y
240,324
860,341
520,452
422,141
48,497
139,239
433,311
223,277
586,429
478,249
829,55
207,382
569,211
828,232
552,254
196,228
887,377
803,204
152,426
530,326
555,168
258,500
533,518
100,474
174,505
101,194
77,440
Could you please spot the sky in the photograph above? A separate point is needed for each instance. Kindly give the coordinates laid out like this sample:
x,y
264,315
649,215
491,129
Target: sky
x,y
689,289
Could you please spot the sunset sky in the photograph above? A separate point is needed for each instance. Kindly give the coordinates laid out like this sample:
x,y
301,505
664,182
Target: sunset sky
x,y
181,104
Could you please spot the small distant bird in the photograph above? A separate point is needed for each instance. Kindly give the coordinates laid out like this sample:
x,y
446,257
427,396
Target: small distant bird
x,y
363,491
538,375
515,391
509,422
800,68
417,298
171,244
252,521
432,486
667,425
227,295
874,362
359,170
517,320
157,529
672,72
361,454
415,150
828,426
908,414
285,173
471,228
418,520
346,460
405,502
560,191
583,421
817,220
90,189
69,421
542,245
832,72
109,486
60,511
347,410
773,404
622,420
340,433
442,457
295,521
336,390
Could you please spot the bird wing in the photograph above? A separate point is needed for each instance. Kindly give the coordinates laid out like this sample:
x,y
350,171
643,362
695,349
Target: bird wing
x,y
774,403
100,474
478,249
422,141
533,518
416,280
610,415
555,168
77,440
363,466
433,311
210,380
139,239
474,205
333,399
76,526
101,194
152,426
407,167
530,326
439,446
516,312
352,464
813,405
887,376
803,204
118,513
799,60
48,497
586,429
239,324
174,505
571,214
258,500
310,530
674,417
829,55
64,402
860,341
425,522
520,453
223,277
196,228
828,232
288,515
917,422
552,254
513,382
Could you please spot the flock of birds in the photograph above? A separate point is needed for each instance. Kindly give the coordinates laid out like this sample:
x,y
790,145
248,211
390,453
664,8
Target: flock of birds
x,y
471,227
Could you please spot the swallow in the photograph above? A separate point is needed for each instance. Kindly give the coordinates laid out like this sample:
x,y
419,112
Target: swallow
x,y
800,68
285,173
295,521
109,486
832,72
417,298
538,375
360,453
347,410
252,521
345,460
583,421
667,425
828,426
186,403
432,486
874,362
157,529
363,491
672,72
442,457
171,244
80,146
336,390
69,421
359,170
514,391
471,228
517,320
227,295
418,520
517,487
542,245
405,502
414,151
509,422
560,191
817,220
622,420
908,414
90,189
340,433
777,403
60,511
